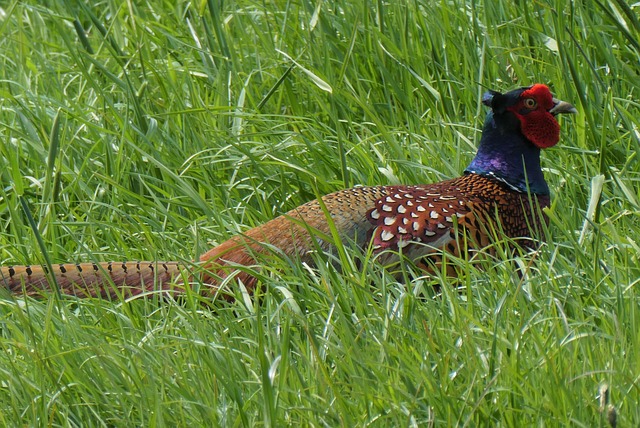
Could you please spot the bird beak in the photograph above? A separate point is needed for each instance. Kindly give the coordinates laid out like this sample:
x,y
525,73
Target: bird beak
x,y
562,107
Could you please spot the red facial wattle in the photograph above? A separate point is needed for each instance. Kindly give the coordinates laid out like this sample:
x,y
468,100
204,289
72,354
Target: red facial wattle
x,y
537,124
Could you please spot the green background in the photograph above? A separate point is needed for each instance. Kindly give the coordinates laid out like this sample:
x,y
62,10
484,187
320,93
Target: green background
x,y
152,130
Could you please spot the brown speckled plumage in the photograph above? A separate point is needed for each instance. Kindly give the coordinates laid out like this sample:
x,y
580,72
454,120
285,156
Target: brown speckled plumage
x,y
422,219
418,220
501,194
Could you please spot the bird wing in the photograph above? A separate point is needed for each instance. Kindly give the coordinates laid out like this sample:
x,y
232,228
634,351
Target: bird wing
x,y
412,214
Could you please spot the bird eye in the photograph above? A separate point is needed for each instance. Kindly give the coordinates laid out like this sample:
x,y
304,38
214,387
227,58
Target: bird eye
x,y
530,103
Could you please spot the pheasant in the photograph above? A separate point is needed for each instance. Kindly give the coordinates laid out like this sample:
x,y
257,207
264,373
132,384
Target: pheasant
x,y
502,190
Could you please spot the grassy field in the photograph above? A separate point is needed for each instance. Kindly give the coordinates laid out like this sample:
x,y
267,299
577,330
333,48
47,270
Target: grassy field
x,y
154,130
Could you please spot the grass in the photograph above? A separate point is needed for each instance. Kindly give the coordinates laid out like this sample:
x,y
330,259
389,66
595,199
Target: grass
x,y
154,130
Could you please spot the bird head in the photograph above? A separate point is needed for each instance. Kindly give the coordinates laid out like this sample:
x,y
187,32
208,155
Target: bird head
x,y
535,109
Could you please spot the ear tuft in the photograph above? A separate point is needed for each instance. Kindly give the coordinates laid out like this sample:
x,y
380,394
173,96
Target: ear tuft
x,y
495,100
487,97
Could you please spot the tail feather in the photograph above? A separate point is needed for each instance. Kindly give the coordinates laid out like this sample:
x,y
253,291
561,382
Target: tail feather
x,y
105,279
295,234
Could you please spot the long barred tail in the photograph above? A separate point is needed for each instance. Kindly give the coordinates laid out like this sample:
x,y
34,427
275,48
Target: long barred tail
x,y
105,279
228,263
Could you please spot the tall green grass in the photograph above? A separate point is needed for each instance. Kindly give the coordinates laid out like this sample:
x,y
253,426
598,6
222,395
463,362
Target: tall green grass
x,y
154,130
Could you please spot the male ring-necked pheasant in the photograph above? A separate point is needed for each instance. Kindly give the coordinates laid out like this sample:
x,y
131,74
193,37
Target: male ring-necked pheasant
x,y
503,189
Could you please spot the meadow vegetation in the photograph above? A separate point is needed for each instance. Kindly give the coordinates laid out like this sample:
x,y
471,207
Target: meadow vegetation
x,y
152,130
